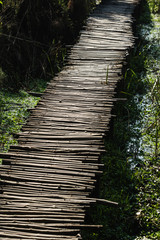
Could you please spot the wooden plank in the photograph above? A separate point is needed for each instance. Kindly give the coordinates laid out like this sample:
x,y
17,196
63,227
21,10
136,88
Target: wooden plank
x,y
53,225
47,180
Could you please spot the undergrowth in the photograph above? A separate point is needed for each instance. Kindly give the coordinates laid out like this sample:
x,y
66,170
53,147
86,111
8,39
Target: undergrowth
x,y
132,161
14,110
14,113
147,174
34,35
34,39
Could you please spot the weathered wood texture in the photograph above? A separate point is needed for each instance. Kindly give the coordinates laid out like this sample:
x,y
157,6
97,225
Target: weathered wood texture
x,y
47,180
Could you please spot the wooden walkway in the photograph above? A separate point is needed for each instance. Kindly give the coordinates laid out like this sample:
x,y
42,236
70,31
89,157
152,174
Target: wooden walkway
x,y
47,180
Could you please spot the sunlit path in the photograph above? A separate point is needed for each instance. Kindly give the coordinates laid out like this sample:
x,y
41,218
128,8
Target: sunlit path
x,y
47,180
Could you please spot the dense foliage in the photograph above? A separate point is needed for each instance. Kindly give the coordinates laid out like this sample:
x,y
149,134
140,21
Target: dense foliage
x,y
147,174
33,35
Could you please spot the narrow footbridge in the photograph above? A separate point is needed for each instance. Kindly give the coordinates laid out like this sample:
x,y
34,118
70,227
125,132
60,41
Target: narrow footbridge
x,y
48,179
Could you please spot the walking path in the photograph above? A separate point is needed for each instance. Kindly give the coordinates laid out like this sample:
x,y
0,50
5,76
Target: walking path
x,y
47,180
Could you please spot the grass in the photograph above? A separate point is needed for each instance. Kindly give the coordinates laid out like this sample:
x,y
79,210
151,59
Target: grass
x,y
14,113
147,174
131,174
14,109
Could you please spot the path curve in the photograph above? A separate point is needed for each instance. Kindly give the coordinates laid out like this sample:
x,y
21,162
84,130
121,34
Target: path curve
x,y
47,180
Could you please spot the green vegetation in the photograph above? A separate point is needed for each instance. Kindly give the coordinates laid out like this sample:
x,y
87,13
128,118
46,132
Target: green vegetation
x,y
147,174
131,171
13,107
33,36
132,162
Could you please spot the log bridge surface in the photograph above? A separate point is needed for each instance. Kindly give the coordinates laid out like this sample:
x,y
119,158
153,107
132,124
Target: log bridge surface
x,y
47,180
